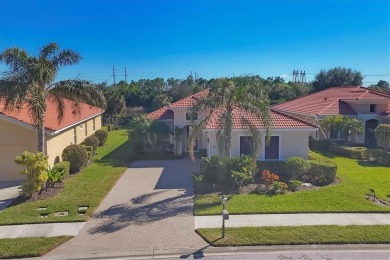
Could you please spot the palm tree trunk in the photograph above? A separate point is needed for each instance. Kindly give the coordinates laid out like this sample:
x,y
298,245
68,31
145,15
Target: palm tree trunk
x,y
41,137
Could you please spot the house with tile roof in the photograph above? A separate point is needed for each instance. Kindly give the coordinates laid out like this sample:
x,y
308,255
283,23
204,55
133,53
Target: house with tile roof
x,y
371,106
290,135
18,133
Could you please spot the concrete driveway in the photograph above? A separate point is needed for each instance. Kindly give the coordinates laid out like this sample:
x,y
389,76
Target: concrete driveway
x,y
9,190
149,208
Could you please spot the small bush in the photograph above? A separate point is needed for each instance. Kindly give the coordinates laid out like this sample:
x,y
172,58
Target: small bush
x,y
379,156
297,167
54,176
77,156
320,173
293,185
268,178
261,189
213,170
102,135
92,141
278,188
198,178
62,166
35,169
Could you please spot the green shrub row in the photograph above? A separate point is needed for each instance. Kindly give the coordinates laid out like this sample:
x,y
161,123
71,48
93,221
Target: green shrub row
x,y
278,167
318,144
378,156
350,152
318,172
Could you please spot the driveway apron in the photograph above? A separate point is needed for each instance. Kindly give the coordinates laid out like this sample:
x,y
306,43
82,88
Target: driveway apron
x,y
150,207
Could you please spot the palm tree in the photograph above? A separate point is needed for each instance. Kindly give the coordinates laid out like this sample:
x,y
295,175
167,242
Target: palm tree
x,y
346,124
226,95
30,81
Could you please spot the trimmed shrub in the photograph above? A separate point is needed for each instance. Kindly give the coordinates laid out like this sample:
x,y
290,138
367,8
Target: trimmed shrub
x,y
293,185
382,135
319,157
318,144
213,170
297,167
278,167
102,135
77,156
320,173
380,156
349,152
62,166
92,141
35,169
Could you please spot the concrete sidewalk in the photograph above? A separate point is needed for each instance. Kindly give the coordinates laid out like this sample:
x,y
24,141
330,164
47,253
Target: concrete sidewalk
x,y
262,220
41,230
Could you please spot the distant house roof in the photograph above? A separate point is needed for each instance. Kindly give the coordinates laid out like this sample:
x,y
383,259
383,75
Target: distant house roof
x,y
51,116
190,100
280,119
240,117
163,113
332,101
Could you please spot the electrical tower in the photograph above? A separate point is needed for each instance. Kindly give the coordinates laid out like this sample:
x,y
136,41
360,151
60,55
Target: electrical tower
x,y
125,75
299,76
113,73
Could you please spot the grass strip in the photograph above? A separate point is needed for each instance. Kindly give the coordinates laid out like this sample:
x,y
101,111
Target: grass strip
x,y
356,177
29,246
254,236
87,188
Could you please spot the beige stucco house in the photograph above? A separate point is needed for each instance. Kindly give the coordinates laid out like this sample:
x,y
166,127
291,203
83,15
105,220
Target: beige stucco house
x,y
18,134
371,106
290,135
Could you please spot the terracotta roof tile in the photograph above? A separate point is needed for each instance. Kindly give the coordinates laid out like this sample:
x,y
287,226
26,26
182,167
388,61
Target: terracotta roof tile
x,y
331,101
51,120
163,113
190,100
279,120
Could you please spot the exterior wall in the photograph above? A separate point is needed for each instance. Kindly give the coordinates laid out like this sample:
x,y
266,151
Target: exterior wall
x,y
365,108
56,144
14,140
290,144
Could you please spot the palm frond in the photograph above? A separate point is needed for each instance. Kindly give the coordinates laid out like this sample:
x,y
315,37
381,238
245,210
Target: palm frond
x,y
79,91
194,133
224,131
255,133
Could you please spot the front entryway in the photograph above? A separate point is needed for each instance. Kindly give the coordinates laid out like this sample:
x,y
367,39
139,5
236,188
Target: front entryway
x,y
370,139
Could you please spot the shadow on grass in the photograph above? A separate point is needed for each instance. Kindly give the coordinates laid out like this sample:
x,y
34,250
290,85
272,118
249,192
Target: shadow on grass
x,y
119,157
123,215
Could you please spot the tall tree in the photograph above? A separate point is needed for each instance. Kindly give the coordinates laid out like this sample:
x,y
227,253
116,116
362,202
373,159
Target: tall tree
x,y
30,81
337,77
224,96
382,85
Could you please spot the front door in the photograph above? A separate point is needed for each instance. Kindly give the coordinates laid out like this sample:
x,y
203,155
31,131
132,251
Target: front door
x,y
370,140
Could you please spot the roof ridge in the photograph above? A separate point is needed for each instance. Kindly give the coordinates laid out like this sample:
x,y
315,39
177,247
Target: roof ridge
x,y
292,117
381,93
190,96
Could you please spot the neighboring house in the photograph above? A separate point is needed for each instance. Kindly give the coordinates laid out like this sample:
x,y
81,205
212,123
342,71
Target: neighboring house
x,y
290,135
18,134
371,106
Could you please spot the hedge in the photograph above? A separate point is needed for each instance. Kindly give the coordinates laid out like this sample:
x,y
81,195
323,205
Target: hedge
x,y
319,144
379,156
350,152
278,167
102,135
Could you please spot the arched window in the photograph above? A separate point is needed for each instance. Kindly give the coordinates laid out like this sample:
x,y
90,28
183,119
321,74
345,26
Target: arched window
x,y
194,116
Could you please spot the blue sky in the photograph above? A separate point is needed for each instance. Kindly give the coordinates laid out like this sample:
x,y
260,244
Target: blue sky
x,y
214,38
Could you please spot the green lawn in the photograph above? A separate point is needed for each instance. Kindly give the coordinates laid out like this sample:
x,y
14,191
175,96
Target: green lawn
x,y
356,178
87,188
251,236
29,246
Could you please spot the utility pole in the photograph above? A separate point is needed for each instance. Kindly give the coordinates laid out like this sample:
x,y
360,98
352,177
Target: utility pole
x,y
125,75
113,73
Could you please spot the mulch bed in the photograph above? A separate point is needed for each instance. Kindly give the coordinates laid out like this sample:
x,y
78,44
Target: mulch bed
x,y
45,194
